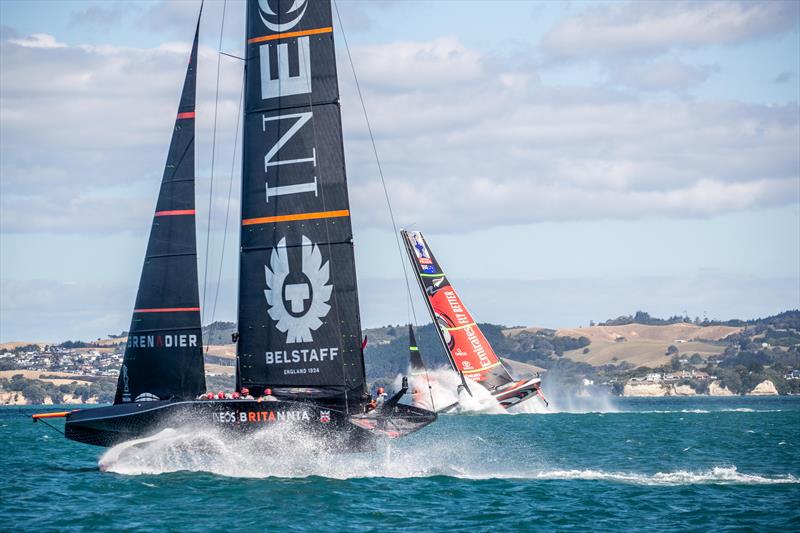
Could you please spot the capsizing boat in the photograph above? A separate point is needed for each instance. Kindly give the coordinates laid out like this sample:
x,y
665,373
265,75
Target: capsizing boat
x,y
298,315
467,349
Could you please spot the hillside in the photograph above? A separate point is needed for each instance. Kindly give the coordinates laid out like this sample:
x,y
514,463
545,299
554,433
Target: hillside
x,y
642,345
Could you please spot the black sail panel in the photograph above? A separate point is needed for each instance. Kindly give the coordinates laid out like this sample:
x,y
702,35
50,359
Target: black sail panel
x,y
417,365
299,324
164,354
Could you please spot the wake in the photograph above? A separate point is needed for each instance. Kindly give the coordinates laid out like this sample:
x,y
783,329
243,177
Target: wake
x,y
287,454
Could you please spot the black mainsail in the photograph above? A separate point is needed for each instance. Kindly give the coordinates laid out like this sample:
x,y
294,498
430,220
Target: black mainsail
x,y
299,324
164,354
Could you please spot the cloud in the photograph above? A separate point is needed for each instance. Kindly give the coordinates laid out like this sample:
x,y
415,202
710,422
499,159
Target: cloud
x,y
467,139
102,16
645,28
433,64
38,40
662,75
783,77
502,148
86,129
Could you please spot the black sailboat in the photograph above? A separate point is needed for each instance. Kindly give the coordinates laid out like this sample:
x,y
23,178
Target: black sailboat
x,y
299,341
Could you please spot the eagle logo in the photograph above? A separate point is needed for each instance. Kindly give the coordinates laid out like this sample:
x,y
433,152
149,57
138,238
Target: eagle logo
x,y
307,301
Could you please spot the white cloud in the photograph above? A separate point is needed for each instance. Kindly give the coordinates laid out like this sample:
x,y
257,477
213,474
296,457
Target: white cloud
x,y
410,65
38,40
662,75
642,28
467,140
85,131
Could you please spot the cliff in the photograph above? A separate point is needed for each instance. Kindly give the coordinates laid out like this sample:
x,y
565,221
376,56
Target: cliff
x,y
765,388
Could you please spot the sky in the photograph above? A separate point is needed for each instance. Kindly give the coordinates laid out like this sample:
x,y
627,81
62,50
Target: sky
x,y
567,161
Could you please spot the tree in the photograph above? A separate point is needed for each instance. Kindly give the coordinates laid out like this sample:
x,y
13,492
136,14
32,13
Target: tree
x,y
672,349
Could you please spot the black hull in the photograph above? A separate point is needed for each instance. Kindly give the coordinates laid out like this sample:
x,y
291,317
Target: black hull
x,y
341,431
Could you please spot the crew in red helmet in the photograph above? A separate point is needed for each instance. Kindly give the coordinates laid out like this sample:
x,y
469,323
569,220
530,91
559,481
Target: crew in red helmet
x,y
221,395
246,394
235,395
268,397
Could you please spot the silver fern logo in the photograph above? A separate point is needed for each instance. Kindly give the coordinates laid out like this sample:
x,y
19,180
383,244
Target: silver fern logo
x,y
307,296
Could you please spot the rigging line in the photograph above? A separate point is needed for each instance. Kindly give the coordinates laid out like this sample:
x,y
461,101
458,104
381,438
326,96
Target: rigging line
x,y
228,207
51,426
383,183
377,159
213,154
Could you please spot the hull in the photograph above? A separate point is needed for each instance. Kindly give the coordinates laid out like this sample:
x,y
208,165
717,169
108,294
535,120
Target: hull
x,y
342,431
518,392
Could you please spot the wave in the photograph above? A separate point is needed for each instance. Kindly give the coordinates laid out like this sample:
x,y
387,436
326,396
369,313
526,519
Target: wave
x,y
706,411
717,475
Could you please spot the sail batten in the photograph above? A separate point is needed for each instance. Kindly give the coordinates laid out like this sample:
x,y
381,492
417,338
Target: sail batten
x,y
163,355
299,323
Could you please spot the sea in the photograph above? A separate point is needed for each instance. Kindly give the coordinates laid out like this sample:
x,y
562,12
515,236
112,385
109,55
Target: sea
x,y
666,464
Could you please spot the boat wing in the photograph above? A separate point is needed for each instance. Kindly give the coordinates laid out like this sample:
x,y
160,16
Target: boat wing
x,y
468,349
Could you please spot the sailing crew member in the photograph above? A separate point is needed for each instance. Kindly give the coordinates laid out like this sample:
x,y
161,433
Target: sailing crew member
x,y
268,397
246,394
381,397
220,395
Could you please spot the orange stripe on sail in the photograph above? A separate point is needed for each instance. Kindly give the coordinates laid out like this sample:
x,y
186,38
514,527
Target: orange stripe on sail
x,y
174,212
289,35
166,310
188,114
298,216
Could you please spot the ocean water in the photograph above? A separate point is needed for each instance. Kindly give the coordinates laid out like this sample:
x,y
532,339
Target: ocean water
x,y
642,464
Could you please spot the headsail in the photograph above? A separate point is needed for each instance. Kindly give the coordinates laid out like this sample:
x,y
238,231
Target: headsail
x,y
468,350
164,355
299,324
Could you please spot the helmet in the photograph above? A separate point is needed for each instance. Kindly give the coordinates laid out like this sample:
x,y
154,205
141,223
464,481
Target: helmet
x,y
221,395
267,391
245,391
210,395
235,395
380,390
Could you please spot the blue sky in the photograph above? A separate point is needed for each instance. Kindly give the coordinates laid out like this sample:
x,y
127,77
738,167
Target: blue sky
x,y
568,161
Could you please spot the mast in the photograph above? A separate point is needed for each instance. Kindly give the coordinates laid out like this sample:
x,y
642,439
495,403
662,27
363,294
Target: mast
x,y
467,348
164,354
299,323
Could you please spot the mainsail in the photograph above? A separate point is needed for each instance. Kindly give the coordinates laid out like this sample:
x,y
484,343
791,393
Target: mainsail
x,y
164,354
299,324
468,350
